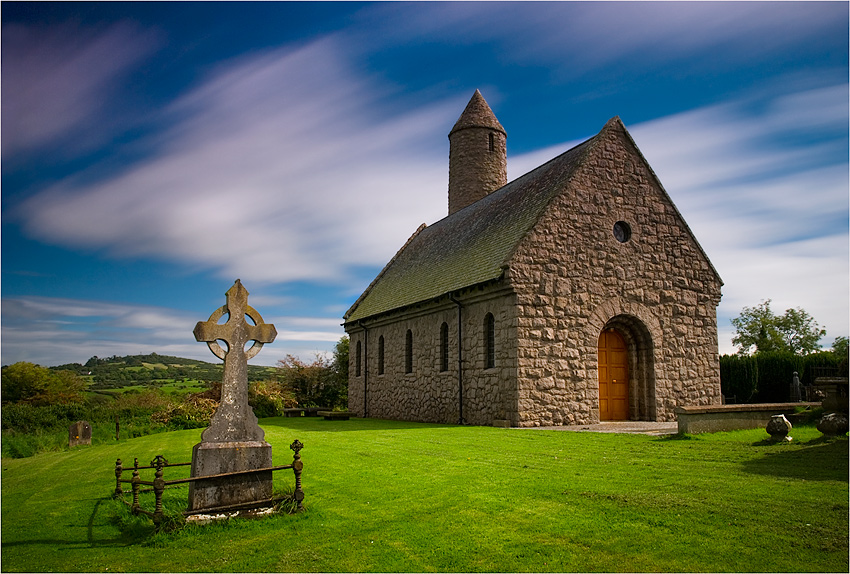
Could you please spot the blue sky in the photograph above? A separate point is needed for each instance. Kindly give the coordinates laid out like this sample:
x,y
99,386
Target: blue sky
x,y
153,153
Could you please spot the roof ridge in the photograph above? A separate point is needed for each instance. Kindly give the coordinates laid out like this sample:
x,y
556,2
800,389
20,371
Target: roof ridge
x,y
590,143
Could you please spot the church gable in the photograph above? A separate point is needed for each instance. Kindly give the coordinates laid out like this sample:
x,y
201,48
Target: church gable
x,y
611,253
615,219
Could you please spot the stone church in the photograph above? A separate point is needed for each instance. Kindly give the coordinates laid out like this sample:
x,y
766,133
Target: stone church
x,y
571,295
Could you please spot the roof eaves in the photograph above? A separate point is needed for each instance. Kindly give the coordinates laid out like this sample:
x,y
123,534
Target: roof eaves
x,y
382,273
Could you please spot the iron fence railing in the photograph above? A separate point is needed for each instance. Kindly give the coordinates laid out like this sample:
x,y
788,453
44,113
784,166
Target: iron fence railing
x,y
159,484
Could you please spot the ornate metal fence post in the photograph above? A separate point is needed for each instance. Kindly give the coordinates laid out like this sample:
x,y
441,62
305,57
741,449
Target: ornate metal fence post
x,y
136,480
158,488
119,492
297,466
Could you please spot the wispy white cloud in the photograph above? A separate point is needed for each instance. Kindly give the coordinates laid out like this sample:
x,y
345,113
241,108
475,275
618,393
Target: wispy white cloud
x,y
765,193
767,196
290,164
58,80
571,38
279,167
51,331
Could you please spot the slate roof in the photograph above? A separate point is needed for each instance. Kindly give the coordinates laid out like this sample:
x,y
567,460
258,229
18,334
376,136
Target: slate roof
x,y
477,114
471,246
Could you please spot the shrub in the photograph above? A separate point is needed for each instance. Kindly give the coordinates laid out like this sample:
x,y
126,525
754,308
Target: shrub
x,y
767,377
27,382
269,398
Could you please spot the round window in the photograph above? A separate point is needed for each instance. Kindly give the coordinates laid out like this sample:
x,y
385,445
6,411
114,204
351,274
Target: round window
x,y
622,231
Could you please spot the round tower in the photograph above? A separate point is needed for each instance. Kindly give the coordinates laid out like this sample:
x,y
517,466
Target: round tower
x,y
478,161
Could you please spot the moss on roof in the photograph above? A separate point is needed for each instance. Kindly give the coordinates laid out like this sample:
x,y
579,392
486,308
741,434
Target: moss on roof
x,y
469,247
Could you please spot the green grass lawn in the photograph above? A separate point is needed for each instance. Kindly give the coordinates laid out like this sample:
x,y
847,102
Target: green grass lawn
x,y
393,496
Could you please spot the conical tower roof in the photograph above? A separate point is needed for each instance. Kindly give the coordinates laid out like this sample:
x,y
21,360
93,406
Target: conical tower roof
x,y
477,115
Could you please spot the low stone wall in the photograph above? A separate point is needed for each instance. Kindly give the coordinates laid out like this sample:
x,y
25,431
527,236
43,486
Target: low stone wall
x,y
717,418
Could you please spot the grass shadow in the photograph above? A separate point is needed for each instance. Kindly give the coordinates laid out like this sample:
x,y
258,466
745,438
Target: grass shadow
x,y
354,424
823,458
675,437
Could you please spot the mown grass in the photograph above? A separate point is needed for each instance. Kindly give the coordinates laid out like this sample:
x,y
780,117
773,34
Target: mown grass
x,y
392,496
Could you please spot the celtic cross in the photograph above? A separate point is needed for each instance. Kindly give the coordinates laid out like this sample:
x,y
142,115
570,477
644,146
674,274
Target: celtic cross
x,y
234,419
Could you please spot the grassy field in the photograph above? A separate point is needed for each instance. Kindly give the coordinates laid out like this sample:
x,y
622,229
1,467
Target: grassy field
x,y
391,496
169,386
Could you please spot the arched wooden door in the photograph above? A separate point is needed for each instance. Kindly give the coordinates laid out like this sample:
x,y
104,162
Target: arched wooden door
x,y
613,377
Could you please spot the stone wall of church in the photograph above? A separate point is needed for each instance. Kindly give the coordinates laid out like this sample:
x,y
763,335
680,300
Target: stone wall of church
x,y
574,278
428,393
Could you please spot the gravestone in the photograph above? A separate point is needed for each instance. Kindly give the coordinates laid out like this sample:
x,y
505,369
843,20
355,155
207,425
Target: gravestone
x,y
79,433
234,440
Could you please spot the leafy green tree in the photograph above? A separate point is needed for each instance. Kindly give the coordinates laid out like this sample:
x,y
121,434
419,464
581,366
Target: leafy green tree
x,y
758,327
322,383
800,331
340,363
841,350
840,346
37,385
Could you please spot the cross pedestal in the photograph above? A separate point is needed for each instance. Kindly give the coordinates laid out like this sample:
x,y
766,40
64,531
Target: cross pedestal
x,y
234,440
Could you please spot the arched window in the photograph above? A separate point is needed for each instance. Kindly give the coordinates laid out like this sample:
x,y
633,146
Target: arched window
x,y
492,141
381,355
444,347
408,352
358,357
489,341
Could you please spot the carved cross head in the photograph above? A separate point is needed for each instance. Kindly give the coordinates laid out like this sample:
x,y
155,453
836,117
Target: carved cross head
x,y
237,330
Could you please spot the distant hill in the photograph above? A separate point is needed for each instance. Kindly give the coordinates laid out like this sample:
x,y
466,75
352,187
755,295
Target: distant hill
x,y
153,370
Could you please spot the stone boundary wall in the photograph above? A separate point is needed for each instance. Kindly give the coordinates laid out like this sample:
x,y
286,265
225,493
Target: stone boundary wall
x,y
718,418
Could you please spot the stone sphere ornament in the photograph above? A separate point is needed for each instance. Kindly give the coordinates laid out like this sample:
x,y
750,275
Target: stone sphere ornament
x,y
778,428
833,424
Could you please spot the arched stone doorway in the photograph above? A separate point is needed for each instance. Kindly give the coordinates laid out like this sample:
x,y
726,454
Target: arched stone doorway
x,y
626,351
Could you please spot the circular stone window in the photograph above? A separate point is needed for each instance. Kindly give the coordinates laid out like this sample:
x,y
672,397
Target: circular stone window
x,y
622,231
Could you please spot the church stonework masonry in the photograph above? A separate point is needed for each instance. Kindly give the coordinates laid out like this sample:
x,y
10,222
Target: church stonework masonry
x,y
571,295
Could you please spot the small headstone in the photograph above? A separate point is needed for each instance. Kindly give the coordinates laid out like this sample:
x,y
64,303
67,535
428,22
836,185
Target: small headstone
x,y
778,428
833,424
79,433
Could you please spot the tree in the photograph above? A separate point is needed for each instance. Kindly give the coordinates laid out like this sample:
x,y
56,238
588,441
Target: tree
x,y
30,383
758,327
841,350
340,364
323,383
800,331
840,346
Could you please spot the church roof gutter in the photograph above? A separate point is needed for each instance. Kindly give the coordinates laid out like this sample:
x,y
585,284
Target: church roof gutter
x,y
447,296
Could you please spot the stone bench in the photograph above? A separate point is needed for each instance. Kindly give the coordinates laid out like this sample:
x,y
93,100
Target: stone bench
x,y
718,418
335,415
293,412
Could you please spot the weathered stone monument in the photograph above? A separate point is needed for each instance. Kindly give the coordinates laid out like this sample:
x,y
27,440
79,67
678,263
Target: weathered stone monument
x,y
79,433
234,440
833,424
778,428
